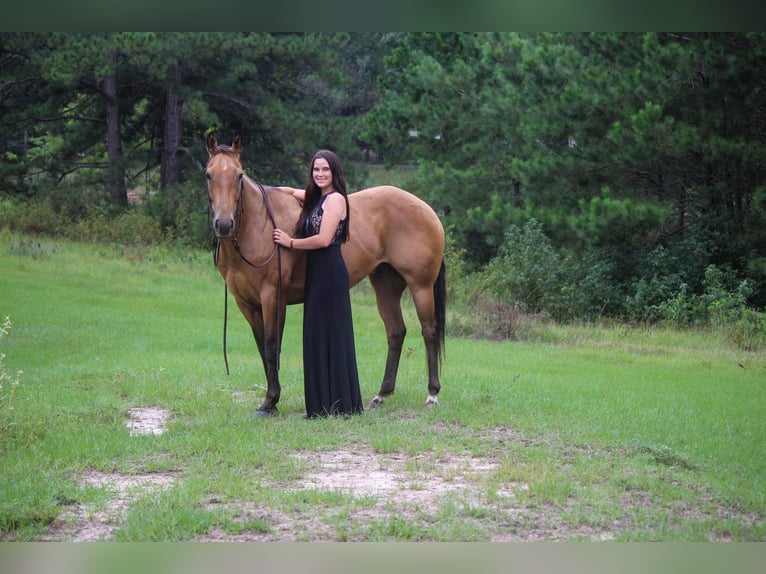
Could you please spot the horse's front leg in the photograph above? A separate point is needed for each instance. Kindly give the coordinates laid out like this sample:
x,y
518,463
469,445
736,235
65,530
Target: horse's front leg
x,y
272,325
267,350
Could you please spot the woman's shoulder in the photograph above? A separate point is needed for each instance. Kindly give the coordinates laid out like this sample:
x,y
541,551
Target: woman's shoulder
x,y
335,202
335,197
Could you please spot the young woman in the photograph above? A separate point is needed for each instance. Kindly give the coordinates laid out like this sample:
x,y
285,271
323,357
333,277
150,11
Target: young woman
x,y
330,377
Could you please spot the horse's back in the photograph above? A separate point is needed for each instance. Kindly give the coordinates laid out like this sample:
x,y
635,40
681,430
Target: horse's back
x,y
393,211
391,225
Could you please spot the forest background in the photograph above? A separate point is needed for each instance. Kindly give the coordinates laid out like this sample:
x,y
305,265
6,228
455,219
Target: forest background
x,y
580,176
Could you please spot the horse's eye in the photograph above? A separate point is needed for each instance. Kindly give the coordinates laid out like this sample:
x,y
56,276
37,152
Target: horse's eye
x,y
208,176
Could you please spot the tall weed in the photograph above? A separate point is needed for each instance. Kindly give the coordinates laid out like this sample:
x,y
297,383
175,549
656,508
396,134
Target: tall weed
x,y
8,382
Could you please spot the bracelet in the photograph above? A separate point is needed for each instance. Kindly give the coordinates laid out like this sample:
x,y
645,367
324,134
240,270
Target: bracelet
x,y
291,242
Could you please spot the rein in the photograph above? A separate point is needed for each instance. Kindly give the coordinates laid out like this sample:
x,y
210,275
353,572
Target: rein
x,y
277,251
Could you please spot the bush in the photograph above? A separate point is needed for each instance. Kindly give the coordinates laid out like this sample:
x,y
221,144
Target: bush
x,y
527,269
178,216
723,301
589,289
660,282
681,309
722,306
181,211
130,227
749,331
33,217
529,273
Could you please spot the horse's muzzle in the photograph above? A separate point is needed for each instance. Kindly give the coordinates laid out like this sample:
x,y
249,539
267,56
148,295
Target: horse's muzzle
x,y
223,228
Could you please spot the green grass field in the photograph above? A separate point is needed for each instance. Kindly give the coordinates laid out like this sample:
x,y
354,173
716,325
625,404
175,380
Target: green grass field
x,y
604,434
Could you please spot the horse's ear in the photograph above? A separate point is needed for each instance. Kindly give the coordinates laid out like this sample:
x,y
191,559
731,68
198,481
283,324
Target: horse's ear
x,y
236,145
212,143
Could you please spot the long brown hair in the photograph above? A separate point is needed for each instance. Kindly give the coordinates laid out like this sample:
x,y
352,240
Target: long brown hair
x,y
314,193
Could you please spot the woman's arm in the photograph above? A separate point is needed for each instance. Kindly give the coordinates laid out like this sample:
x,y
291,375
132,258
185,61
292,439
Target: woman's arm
x,y
334,212
299,194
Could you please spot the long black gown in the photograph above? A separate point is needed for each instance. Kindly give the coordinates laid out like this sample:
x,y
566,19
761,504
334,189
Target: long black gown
x,y
330,376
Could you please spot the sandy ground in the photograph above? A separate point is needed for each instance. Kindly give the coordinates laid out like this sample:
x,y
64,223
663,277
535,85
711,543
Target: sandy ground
x,y
395,487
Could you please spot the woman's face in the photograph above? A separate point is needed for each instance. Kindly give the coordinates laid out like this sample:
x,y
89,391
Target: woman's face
x,y
322,174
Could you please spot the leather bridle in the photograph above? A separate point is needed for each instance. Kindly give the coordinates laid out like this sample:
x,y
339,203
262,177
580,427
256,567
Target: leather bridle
x,y
276,251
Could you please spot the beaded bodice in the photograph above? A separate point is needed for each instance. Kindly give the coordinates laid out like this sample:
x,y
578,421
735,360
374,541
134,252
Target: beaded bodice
x,y
314,221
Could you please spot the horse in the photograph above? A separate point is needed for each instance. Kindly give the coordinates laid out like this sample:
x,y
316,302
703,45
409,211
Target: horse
x,y
395,239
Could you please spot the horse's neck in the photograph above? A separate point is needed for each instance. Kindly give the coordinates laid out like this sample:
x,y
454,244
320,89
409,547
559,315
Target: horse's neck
x,y
254,213
284,207
256,219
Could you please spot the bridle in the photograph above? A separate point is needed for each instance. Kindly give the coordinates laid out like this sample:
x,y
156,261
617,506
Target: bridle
x,y
276,251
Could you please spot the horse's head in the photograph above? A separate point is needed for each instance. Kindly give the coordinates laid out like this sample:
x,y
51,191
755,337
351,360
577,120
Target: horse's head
x,y
224,181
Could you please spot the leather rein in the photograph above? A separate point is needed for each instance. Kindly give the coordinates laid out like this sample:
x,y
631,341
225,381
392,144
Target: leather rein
x,y
277,251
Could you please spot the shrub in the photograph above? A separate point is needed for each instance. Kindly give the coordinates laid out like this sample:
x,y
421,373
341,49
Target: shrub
x,y
589,290
181,212
681,309
722,301
661,279
722,306
527,269
130,227
33,217
749,331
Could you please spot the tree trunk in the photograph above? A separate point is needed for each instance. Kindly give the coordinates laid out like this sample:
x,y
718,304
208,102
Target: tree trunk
x,y
117,189
170,168
517,201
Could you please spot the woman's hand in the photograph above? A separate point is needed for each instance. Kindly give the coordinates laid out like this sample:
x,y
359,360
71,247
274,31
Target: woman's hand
x,y
282,238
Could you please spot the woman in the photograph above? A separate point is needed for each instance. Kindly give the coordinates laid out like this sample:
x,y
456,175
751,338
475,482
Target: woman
x,y
330,377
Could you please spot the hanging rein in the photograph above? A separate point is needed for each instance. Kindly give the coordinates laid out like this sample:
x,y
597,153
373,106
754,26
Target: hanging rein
x,y
277,251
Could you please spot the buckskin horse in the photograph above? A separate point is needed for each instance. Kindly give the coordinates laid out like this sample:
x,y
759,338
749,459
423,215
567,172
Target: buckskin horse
x,y
396,240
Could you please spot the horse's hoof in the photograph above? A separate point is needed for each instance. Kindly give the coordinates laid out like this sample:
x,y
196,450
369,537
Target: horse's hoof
x,y
259,414
375,403
432,401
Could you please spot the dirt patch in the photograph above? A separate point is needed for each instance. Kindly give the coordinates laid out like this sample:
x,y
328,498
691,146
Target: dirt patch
x,y
147,420
420,479
361,494
414,489
83,523
409,488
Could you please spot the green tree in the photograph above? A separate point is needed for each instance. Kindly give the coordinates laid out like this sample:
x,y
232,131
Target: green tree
x,y
23,96
537,126
695,143
79,98
73,121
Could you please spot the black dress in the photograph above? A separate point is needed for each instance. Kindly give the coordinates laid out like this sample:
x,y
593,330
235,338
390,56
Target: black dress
x,y
330,377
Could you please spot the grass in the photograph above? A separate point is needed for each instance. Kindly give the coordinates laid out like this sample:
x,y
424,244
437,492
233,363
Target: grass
x,y
588,432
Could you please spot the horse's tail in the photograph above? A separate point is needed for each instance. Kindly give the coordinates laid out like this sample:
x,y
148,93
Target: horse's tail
x,y
440,307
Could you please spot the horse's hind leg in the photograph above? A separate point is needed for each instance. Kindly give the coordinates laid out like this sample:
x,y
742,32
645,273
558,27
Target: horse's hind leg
x,y
425,306
389,286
